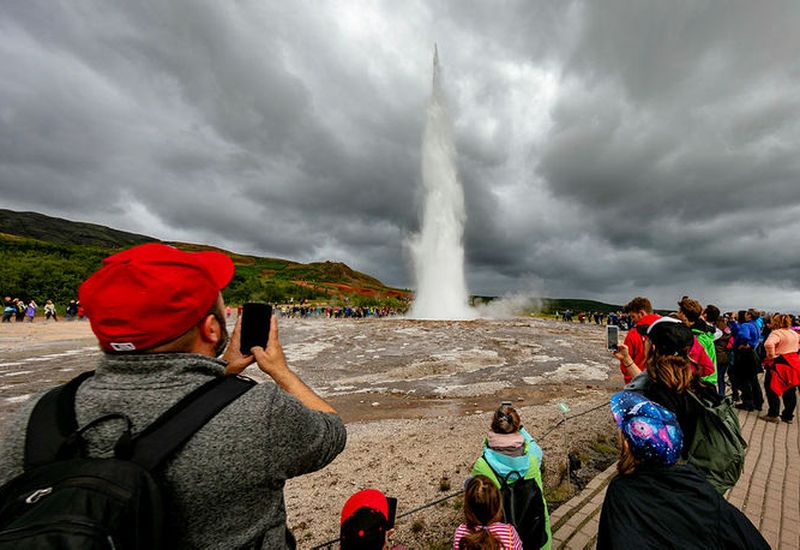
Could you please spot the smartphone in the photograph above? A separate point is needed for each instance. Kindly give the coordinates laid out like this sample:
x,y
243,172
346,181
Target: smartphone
x,y
392,511
612,337
255,326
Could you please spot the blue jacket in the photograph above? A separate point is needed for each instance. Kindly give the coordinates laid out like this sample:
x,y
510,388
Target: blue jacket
x,y
746,333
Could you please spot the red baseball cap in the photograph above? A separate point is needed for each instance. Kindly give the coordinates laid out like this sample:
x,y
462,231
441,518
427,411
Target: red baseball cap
x,y
364,521
368,498
151,294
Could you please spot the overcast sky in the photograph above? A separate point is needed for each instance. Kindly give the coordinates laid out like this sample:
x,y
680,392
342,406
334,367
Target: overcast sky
x,y
606,148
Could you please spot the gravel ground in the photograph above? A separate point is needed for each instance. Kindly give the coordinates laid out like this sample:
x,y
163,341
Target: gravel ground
x,y
421,460
416,397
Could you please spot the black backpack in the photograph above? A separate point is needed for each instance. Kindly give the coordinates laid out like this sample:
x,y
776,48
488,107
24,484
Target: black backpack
x,y
523,507
68,501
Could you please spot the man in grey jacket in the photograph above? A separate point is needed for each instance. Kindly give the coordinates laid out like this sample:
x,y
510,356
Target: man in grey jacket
x,y
159,316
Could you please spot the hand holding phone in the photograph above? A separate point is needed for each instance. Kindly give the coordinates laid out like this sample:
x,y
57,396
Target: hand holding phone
x,y
255,326
612,337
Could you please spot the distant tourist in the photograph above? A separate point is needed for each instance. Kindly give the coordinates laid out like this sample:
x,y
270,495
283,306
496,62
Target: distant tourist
x,y
21,308
9,309
72,310
654,502
50,311
483,528
511,457
30,310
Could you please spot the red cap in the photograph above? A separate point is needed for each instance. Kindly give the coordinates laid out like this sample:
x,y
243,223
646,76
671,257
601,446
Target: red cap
x,y
368,498
151,294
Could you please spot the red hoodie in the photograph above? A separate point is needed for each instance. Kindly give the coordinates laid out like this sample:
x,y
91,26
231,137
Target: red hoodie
x,y
635,343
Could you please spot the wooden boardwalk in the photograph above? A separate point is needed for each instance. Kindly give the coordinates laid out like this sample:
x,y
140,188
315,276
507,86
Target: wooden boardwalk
x,y
768,491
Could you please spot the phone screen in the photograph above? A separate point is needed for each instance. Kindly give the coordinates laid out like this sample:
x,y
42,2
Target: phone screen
x,y
255,326
612,337
392,510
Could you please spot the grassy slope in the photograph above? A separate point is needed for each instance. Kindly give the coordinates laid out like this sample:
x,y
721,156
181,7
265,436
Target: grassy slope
x,y
576,305
60,231
44,257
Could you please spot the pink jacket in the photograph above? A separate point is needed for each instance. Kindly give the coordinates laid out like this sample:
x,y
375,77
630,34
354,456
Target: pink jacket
x,y
781,341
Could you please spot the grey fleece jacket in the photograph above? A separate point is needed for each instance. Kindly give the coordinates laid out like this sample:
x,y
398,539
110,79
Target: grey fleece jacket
x,y
224,488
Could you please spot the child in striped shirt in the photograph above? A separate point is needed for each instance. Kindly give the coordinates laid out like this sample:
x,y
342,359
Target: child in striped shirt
x,y
483,512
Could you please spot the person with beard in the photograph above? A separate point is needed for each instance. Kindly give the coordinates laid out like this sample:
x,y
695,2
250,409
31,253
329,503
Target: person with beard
x,y
159,318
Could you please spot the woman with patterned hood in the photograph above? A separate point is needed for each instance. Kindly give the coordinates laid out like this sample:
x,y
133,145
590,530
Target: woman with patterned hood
x,y
511,459
654,502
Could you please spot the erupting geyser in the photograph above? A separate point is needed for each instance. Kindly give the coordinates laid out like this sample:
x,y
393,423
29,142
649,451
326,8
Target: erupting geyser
x,y
438,250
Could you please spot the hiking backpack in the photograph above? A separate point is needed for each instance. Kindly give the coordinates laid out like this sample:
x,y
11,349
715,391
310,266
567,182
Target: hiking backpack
x,y
66,500
523,507
717,449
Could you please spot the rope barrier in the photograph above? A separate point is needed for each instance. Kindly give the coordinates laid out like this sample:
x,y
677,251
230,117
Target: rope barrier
x,y
329,544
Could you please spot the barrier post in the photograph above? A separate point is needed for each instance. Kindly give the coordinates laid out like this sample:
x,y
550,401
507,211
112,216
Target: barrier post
x,y
564,408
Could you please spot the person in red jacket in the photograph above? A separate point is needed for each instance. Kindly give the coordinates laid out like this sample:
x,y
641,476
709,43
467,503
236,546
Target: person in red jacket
x,y
641,311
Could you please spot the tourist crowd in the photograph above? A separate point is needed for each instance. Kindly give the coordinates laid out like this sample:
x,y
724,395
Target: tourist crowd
x,y
20,310
336,312
182,452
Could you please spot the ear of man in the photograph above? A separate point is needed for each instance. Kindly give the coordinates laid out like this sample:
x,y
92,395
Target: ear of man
x,y
210,330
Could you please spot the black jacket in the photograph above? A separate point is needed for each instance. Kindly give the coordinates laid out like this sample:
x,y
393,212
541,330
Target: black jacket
x,y
672,507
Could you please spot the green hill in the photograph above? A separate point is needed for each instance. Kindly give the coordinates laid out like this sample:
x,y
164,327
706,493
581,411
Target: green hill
x,y
551,305
43,257
60,231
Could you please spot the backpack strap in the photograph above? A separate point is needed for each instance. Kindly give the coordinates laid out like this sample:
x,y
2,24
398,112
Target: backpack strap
x,y
502,480
180,422
51,423
497,476
52,427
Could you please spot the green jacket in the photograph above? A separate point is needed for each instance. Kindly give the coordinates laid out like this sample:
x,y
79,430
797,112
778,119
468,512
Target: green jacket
x,y
502,463
706,340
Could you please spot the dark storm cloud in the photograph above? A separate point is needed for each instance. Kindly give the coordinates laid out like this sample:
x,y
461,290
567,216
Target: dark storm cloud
x,y
606,148
680,140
